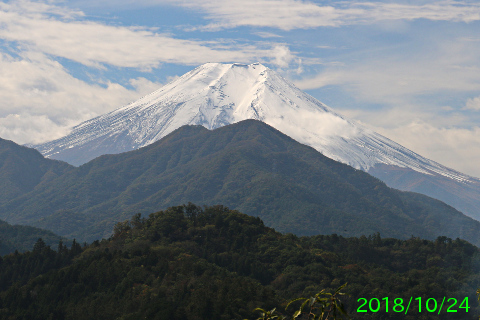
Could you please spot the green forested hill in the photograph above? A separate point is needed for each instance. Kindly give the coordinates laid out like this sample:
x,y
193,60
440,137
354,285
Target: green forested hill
x,y
23,238
248,166
189,263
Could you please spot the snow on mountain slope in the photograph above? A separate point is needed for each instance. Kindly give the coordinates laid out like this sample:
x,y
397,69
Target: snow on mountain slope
x,y
214,95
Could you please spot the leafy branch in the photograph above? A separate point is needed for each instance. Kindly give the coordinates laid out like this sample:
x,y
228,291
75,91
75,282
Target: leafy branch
x,y
322,306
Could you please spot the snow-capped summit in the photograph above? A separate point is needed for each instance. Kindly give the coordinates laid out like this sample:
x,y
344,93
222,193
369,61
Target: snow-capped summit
x,y
214,95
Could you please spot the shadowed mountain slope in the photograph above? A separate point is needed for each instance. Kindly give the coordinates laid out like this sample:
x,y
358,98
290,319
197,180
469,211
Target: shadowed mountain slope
x,y
22,169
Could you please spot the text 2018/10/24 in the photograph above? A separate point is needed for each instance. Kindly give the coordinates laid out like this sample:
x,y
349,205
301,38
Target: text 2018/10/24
x,y
430,305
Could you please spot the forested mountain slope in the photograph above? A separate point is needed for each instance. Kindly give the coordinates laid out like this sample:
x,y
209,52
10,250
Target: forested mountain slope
x,y
214,263
22,238
248,166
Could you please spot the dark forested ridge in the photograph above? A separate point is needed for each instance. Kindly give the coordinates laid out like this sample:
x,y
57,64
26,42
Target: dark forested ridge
x,y
214,263
248,166
23,238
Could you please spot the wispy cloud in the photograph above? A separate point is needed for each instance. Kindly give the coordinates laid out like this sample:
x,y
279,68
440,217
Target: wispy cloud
x,y
54,31
300,14
395,75
296,14
267,35
473,104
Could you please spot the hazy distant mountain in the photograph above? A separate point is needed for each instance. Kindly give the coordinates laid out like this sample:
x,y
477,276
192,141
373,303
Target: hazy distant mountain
x,y
214,95
462,195
22,169
248,166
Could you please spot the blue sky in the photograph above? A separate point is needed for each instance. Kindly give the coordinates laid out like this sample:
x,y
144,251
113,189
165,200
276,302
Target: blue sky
x,y
408,69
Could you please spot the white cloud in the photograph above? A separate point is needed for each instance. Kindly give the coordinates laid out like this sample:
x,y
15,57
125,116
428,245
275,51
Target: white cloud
x,y
267,35
27,128
93,44
41,100
453,140
473,104
281,56
457,148
39,8
282,14
322,79
412,92
299,14
395,82
321,125
296,14
398,75
432,10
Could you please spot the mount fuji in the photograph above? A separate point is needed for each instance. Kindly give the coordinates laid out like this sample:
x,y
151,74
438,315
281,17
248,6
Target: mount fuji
x,y
214,95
